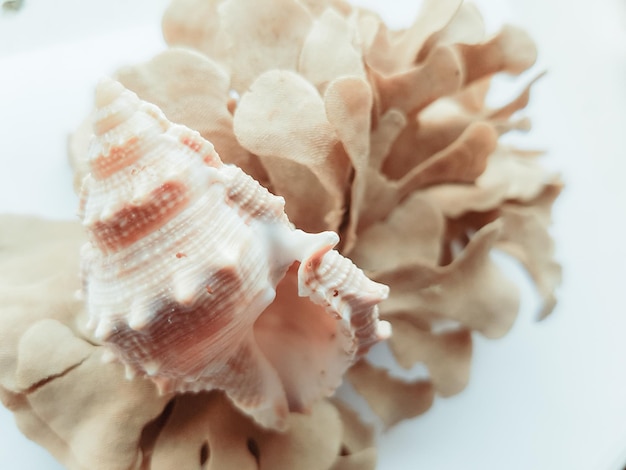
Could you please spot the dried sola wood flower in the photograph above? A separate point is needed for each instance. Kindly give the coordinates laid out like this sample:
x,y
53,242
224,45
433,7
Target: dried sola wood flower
x,y
402,153
398,152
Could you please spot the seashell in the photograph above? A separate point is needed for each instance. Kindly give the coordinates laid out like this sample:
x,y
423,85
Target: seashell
x,y
195,278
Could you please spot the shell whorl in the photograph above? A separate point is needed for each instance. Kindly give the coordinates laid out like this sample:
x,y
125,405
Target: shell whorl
x,y
334,282
184,259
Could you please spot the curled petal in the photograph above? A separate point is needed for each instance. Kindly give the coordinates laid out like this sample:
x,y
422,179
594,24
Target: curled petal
x,y
462,162
445,120
391,399
283,120
329,52
511,51
510,175
465,27
348,102
194,23
389,55
469,150
358,451
446,354
200,101
383,136
410,234
489,303
260,35
439,75
40,358
525,236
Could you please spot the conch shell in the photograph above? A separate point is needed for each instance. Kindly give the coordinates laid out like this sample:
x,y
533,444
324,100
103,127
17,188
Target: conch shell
x,y
195,277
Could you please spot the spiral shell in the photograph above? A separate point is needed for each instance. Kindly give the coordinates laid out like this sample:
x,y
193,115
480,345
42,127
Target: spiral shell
x,y
195,277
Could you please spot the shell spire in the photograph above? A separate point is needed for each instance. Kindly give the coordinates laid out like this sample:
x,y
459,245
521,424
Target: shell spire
x,y
195,278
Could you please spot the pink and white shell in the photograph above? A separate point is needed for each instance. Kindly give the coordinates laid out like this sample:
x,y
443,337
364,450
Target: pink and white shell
x,y
194,276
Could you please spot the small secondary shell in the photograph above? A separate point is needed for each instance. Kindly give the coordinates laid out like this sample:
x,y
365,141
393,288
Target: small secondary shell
x,y
184,261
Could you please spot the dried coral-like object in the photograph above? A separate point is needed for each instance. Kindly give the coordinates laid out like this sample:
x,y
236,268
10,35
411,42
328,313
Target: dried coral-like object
x,y
399,147
183,271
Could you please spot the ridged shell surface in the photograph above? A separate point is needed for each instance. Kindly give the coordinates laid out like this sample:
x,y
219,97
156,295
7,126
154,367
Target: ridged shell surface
x,y
195,277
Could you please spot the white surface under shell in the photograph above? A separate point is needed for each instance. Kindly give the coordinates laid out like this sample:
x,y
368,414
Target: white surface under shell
x,y
548,396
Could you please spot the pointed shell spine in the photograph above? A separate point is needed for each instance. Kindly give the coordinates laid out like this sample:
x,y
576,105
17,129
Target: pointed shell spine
x,y
344,290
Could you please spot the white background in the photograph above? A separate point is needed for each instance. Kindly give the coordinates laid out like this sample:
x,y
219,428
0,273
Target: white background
x,y
550,395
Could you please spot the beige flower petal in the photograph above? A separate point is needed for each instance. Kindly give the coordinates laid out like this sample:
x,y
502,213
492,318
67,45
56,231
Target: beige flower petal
x,y
382,137
317,7
511,51
472,97
193,23
418,146
447,355
368,24
357,435
37,430
85,407
459,232
357,449
39,357
410,234
525,236
261,35
411,90
414,146
200,101
38,279
390,55
329,52
21,309
466,27
283,120
348,103
520,102
471,290
445,120
391,399
510,175
206,431
380,199
461,162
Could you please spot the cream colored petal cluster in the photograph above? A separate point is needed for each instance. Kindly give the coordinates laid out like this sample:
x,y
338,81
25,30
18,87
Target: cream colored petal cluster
x,y
384,136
